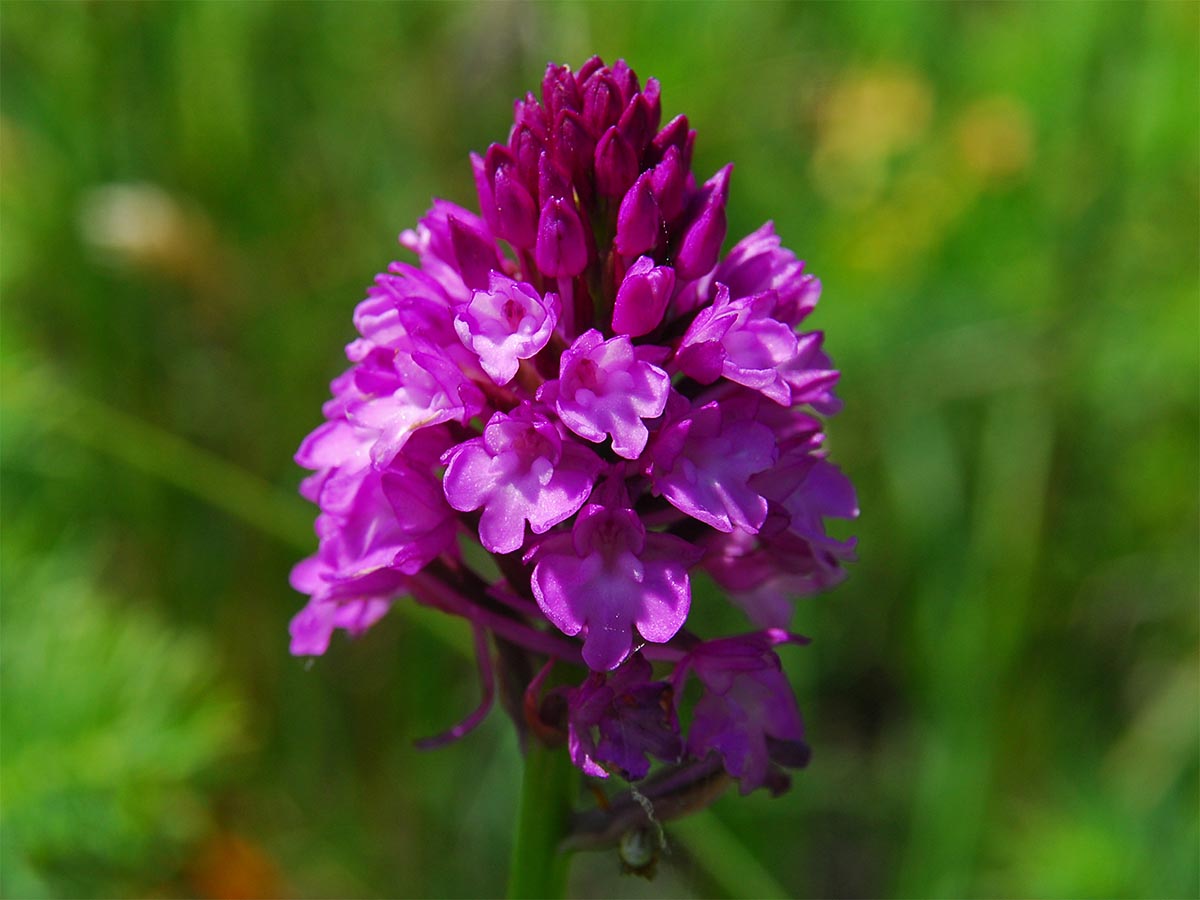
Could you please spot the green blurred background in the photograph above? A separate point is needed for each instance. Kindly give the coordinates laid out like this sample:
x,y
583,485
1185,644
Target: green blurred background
x,y
1001,200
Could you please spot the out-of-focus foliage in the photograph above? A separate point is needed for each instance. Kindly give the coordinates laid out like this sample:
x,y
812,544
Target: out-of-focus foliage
x,y
1001,200
111,725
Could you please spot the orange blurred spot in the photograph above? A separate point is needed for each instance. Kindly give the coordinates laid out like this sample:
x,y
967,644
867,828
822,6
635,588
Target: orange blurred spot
x,y
230,867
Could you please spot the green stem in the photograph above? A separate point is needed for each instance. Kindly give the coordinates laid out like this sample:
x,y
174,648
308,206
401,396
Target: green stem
x,y
539,868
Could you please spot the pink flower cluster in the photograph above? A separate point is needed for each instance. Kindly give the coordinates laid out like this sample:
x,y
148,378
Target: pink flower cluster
x,y
577,380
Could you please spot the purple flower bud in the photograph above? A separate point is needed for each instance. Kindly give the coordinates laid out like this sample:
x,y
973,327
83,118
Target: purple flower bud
x,y
516,213
616,165
474,252
653,96
638,222
673,134
602,102
527,147
561,244
669,180
689,145
506,323
637,124
559,90
574,147
642,297
608,388
552,180
585,71
701,242
520,470
529,113
625,79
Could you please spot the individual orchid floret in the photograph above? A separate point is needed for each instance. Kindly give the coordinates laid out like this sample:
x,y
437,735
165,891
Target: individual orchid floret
x,y
620,718
748,713
427,525
360,545
739,339
508,322
409,391
336,448
520,471
642,297
758,263
608,388
793,555
407,308
703,463
612,580
810,375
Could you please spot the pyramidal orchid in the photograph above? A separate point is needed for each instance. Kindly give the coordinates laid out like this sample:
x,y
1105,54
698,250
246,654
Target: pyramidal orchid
x,y
577,382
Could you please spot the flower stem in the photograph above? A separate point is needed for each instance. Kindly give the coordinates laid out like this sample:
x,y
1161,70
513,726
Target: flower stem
x,y
539,867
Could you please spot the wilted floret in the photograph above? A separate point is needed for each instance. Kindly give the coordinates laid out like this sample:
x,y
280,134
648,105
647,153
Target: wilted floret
x,y
577,382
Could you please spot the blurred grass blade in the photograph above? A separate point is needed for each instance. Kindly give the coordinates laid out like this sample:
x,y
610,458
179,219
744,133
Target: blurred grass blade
x,y
44,400
39,396
720,852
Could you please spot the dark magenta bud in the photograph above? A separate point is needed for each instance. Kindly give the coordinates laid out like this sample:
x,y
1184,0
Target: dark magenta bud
x,y
626,79
689,144
668,180
561,245
574,147
653,95
475,253
497,156
673,134
527,147
638,221
516,212
585,71
530,114
552,180
602,102
636,124
642,297
701,242
559,90
616,164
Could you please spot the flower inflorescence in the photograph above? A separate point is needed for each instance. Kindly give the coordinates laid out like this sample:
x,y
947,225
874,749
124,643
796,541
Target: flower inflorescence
x,y
578,381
